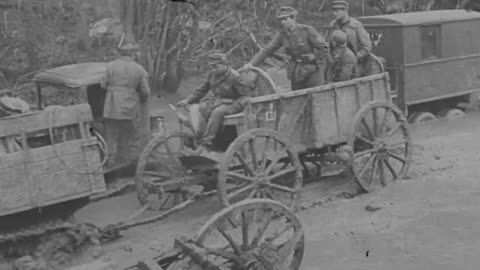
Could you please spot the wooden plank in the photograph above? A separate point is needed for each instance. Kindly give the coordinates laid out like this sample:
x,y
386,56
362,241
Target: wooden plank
x,y
13,194
46,152
40,178
35,121
64,183
325,121
326,87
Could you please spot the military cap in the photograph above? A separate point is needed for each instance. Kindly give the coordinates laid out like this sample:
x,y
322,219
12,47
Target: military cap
x,y
283,12
339,37
340,4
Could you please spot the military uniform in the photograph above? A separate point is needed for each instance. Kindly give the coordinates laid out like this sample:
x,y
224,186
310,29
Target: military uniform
x,y
344,66
358,40
127,89
228,95
307,50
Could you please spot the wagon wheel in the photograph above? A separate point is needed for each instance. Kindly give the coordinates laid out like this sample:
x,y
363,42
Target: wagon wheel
x,y
259,81
254,234
260,163
381,145
159,163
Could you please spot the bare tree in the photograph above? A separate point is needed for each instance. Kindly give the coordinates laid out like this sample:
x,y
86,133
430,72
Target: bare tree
x,y
165,31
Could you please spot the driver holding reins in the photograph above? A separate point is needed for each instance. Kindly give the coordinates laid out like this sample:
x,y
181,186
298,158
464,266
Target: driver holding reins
x,y
228,96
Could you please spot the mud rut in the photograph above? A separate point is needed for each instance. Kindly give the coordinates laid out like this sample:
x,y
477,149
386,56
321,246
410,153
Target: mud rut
x,y
81,247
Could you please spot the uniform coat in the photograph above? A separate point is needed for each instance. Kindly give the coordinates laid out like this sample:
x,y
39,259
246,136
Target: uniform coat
x,y
126,113
358,40
126,83
307,50
228,95
344,66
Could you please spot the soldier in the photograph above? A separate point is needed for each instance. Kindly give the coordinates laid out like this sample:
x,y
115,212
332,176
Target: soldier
x,y
358,40
228,96
127,88
305,46
344,63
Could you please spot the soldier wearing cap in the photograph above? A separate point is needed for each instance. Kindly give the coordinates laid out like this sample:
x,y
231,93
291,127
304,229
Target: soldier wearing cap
x,y
344,64
305,46
127,90
358,40
228,93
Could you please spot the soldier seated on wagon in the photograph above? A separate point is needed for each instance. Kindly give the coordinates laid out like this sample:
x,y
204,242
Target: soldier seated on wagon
x,y
228,96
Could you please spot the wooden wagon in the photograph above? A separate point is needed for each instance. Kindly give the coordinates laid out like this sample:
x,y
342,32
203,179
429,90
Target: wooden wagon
x,y
79,84
47,158
251,234
261,151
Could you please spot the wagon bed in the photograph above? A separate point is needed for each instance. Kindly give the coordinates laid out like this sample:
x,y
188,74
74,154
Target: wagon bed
x,y
48,157
314,117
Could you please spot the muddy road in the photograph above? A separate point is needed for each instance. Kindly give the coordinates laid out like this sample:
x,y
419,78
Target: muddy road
x,y
423,222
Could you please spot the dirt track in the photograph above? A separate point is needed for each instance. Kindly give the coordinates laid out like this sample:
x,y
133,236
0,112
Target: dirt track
x,y
427,221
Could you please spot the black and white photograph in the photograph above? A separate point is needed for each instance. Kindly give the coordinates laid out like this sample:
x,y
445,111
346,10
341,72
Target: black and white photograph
x,y
239,134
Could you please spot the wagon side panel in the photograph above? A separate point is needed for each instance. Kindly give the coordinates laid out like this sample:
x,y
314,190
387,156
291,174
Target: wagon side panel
x,y
42,166
14,184
288,114
65,171
335,108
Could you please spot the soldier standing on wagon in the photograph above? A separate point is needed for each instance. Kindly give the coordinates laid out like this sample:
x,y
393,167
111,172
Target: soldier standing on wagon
x,y
127,88
344,66
358,40
228,97
305,46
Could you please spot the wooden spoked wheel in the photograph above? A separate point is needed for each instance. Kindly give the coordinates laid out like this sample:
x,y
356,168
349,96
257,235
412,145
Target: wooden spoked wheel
x,y
260,164
381,145
158,164
259,81
254,234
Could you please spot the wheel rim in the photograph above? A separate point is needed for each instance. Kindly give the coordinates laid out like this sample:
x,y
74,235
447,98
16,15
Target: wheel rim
x,y
159,163
260,164
381,145
452,114
423,117
259,80
255,232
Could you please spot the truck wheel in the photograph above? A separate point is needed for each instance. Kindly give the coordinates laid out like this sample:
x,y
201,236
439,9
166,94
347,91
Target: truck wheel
x,y
421,117
451,114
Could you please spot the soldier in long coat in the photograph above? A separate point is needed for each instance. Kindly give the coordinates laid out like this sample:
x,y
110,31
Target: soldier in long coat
x,y
306,48
358,40
127,90
228,93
